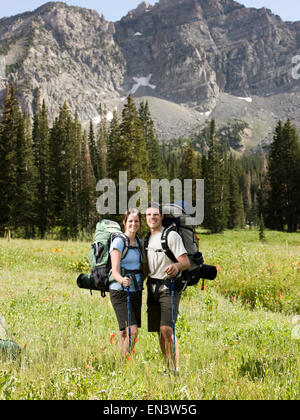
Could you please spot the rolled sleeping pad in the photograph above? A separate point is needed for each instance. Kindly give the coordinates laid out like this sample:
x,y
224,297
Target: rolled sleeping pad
x,y
208,272
86,281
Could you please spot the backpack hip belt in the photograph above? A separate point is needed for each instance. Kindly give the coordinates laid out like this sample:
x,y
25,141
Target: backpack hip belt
x,y
132,274
158,286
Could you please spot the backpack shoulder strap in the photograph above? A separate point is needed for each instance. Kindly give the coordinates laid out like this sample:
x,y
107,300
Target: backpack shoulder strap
x,y
139,247
125,240
164,242
138,242
126,244
146,242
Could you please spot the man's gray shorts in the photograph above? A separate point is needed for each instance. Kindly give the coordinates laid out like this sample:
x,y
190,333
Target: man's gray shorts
x,y
160,310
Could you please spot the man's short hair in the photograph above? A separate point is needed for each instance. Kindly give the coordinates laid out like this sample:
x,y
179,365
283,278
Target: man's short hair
x,y
155,206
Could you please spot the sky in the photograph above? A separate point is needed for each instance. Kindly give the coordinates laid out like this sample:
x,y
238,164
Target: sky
x,y
113,10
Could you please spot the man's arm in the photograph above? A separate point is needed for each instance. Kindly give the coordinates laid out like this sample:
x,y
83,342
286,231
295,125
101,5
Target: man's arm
x,y
182,264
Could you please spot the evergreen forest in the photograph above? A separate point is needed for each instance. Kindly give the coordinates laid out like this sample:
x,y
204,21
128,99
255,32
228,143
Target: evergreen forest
x,y
49,174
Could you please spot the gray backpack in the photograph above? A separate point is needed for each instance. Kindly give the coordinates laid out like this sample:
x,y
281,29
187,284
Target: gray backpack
x,y
175,217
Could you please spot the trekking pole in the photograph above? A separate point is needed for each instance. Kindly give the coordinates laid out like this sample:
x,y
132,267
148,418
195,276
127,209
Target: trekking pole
x,y
129,320
173,325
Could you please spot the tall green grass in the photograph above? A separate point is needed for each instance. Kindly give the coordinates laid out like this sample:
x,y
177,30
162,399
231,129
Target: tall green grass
x,y
258,274
236,337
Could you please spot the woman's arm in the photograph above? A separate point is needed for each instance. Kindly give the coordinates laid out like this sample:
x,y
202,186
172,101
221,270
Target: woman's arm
x,y
115,257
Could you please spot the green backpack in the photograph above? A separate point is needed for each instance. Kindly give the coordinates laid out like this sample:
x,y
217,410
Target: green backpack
x,y
106,231
99,257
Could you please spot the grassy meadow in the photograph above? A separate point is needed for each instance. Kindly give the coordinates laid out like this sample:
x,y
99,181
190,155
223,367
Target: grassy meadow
x,y
239,338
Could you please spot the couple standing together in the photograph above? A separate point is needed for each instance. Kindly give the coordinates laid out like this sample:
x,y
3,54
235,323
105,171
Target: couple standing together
x,y
155,264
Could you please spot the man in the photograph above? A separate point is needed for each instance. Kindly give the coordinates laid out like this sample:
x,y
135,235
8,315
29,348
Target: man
x,y
161,271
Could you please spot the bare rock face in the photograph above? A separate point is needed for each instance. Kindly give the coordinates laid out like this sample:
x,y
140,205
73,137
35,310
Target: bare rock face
x,y
69,53
185,52
196,49
167,43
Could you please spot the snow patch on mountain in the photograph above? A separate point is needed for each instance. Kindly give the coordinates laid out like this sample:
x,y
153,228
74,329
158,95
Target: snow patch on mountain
x,y
141,81
245,99
109,117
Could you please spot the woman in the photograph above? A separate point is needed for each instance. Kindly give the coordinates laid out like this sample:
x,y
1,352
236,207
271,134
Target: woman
x,y
126,273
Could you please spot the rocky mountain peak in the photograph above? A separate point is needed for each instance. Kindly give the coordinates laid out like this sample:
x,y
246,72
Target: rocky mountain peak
x,y
220,6
142,7
67,52
171,3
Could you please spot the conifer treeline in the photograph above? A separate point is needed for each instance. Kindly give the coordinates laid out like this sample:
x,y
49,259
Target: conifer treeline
x,y
280,193
48,175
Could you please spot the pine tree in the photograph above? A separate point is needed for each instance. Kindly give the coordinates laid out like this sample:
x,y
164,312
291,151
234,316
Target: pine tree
x,y
102,143
36,126
63,152
291,169
157,168
262,229
189,169
199,165
9,129
224,189
87,196
133,154
277,192
283,173
113,148
173,166
95,157
40,139
27,176
247,190
98,145
54,197
235,218
127,149
75,172
297,189
213,218
204,166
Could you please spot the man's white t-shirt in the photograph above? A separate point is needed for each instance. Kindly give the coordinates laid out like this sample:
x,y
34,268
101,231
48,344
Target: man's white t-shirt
x,y
158,261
